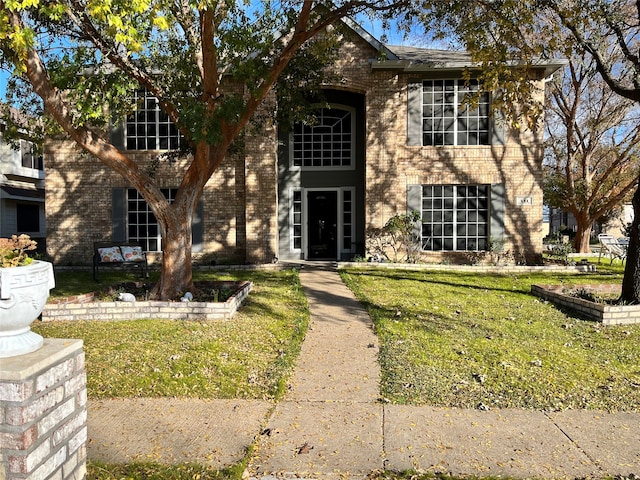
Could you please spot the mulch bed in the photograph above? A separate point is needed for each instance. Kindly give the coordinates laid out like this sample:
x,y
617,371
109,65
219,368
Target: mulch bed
x,y
206,291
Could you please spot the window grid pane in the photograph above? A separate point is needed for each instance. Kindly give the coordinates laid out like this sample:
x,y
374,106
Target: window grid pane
x,y
327,143
142,225
149,128
347,214
297,220
448,120
455,218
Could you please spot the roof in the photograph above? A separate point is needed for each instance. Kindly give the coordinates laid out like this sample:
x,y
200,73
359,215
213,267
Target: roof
x,y
421,60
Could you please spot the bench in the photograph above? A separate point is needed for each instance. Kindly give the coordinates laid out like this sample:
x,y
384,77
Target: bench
x,y
610,246
118,254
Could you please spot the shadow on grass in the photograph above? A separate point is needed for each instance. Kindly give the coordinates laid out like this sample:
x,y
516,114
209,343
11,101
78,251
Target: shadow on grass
x,y
457,279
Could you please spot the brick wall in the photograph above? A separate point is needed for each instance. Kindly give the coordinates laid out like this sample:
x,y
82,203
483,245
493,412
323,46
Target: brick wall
x,y
43,413
240,200
392,165
261,189
79,201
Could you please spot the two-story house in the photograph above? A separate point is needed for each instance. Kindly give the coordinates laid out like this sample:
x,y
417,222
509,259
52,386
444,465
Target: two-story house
x,y
395,136
21,188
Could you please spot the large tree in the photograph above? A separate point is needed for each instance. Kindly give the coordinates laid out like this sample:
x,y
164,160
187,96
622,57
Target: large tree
x,y
593,146
181,51
500,32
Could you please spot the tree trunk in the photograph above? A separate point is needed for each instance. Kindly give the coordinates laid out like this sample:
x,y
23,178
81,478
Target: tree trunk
x,y
631,280
175,221
176,275
583,235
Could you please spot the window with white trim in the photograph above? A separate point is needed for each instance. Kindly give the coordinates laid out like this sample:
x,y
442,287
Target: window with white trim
x,y
328,143
149,127
142,225
447,116
455,217
29,155
347,219
296,220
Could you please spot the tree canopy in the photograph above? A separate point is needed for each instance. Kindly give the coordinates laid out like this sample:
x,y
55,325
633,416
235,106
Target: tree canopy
x,y
83,60
592,155
499,33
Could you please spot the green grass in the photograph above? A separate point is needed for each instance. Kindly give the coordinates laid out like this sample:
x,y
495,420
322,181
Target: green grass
x,y
247,357
154,471
463,339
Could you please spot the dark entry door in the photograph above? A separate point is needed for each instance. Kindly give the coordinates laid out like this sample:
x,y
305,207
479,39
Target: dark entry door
x,y
322,214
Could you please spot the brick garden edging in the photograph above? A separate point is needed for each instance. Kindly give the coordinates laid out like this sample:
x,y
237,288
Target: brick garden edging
x,y
84,308
607,314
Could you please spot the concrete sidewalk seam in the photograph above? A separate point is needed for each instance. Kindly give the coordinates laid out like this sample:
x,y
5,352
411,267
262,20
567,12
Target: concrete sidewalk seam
x,y
578,447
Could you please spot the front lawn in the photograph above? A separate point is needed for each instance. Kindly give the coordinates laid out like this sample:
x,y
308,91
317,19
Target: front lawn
x,y
483,341
247,357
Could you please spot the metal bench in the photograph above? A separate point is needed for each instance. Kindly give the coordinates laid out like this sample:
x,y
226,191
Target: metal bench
x,y
118,255
609,246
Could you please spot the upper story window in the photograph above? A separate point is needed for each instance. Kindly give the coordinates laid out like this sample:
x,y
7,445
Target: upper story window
x,y
150,128
448,120
326,144
29,156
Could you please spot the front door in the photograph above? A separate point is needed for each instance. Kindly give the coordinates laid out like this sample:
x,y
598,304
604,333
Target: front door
x,y
322,216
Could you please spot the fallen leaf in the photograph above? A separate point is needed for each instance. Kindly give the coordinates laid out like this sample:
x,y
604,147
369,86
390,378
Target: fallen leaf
x,y
306,448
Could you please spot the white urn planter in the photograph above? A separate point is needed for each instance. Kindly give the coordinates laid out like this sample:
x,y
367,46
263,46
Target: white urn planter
x,y
23,294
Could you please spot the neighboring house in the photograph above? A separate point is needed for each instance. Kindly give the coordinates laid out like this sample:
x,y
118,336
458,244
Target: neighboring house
x,y
21,188
395,138
561,221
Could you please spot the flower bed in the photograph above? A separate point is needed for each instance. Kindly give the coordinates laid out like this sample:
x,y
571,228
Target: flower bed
x,y
85,307
602,312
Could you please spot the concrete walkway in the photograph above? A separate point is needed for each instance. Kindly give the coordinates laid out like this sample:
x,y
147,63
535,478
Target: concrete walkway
x,y
331,423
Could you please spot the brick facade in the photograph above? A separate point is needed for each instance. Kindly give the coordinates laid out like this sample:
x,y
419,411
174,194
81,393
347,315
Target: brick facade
x,y
241,201
43,413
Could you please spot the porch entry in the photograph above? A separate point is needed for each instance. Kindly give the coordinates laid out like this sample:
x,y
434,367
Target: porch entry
x,y
322,224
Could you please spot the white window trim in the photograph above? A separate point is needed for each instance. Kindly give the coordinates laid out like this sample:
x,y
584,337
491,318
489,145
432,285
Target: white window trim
x,y
352,165
303,216
342,248
490,129
455,210
158,237
340,230
157,122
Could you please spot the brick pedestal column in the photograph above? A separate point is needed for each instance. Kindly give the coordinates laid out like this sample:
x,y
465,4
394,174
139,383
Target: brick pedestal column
x,y
43,413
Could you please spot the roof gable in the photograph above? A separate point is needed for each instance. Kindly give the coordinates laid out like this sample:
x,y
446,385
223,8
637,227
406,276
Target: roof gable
x,y
412,59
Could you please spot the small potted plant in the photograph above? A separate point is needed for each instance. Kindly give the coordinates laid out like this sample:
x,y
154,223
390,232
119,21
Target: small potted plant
x,y
24,288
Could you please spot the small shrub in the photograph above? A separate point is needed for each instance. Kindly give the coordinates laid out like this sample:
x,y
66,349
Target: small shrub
x,y
395,242
13,251
559,250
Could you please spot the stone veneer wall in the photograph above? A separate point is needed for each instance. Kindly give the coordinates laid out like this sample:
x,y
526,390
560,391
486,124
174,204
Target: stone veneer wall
x,y
43,413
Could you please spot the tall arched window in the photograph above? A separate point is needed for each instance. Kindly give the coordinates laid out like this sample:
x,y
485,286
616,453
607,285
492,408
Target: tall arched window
x,y
327,143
